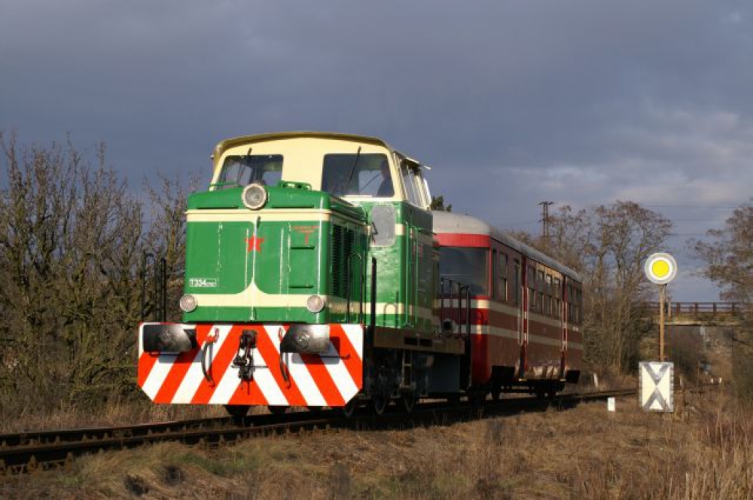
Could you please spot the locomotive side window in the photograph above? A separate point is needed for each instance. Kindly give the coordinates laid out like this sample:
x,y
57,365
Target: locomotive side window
x,y
467,266
409,183
357,175
244,170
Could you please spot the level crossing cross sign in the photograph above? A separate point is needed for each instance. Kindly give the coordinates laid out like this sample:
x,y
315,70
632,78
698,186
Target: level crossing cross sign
x,y
657,386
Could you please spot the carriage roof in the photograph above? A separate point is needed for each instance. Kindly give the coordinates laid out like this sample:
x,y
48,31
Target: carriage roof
x,y
448,222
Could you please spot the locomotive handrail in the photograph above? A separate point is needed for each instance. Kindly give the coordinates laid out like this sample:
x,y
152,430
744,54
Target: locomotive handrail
x,y
160,287
373,295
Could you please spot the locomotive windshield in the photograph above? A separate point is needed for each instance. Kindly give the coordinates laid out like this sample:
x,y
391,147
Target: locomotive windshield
x,y
357,175
467,266
243,170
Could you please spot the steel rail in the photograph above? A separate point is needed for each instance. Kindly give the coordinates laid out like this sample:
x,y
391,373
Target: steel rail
x,y
32,451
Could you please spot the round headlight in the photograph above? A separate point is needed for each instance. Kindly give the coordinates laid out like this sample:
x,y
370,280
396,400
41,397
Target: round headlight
x,y
188,303
254,196
315,303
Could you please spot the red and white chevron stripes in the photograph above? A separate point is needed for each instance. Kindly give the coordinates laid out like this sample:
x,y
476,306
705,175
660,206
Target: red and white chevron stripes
x,y
329,379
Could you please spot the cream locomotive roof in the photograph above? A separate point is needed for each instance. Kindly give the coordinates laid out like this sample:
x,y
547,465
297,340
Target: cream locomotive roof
x,y
249,139
448,222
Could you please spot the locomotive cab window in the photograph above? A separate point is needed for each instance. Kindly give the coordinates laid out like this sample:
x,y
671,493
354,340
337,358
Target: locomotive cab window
x,y
467,266
415,186
366,175
246,169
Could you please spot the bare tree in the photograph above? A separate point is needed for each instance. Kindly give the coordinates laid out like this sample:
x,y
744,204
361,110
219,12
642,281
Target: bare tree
x,y
72,238
607,245
728,256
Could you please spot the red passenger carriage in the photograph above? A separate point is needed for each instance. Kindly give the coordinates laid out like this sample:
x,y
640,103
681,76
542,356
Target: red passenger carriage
x,y
525,308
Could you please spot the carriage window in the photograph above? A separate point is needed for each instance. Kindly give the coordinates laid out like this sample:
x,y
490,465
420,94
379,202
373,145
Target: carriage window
x,y
516,281
549,298
557,292
244,170
357,175
542,303
502,277
531,279
467,266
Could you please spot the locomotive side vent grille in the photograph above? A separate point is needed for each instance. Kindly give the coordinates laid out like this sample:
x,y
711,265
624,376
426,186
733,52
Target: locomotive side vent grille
x,y
340,250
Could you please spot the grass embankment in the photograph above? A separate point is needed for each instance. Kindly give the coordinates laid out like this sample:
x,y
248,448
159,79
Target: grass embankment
x,y
702,452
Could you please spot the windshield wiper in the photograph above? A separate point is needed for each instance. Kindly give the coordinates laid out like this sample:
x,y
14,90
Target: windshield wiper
x,y
353,169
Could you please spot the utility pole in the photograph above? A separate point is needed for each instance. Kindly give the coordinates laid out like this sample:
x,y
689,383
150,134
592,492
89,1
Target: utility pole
x,y
545,220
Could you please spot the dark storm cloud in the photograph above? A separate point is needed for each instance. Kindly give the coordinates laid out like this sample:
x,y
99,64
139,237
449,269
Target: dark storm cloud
x,y
513,102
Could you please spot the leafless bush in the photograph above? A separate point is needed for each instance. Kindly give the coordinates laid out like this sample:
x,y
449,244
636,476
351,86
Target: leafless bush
x,y
71,240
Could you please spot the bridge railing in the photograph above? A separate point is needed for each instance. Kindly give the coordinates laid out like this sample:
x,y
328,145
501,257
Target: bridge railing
x,y
696,308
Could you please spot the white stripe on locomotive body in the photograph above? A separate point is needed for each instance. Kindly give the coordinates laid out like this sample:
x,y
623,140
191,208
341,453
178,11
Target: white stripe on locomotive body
x,y
304,380
190,383
268,385
339,373
298,370
159,372
355,336
194,376
273,393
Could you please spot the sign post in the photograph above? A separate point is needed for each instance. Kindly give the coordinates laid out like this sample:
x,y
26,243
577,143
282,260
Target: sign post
x,y
661,268
657,378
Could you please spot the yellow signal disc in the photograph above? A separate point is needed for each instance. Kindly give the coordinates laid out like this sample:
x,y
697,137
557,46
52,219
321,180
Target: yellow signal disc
x,y
661,268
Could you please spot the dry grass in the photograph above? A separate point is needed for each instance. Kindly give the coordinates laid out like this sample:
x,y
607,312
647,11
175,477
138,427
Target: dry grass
x,y
702,452
113,413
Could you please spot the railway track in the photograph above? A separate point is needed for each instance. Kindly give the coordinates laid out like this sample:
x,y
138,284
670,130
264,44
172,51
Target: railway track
x,y
34,451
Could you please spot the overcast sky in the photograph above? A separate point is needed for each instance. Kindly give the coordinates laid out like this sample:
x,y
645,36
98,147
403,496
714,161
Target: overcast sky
x,y
510,102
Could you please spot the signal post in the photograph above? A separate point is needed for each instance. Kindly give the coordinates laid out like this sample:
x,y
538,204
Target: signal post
x,y
656,378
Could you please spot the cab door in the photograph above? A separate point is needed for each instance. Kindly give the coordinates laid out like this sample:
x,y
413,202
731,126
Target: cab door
x,y
418,225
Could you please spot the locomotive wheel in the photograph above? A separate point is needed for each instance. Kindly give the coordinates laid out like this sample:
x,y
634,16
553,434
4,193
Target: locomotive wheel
x,y
453,400
277,410
408,402
350,408
237,411
380,403
477,397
